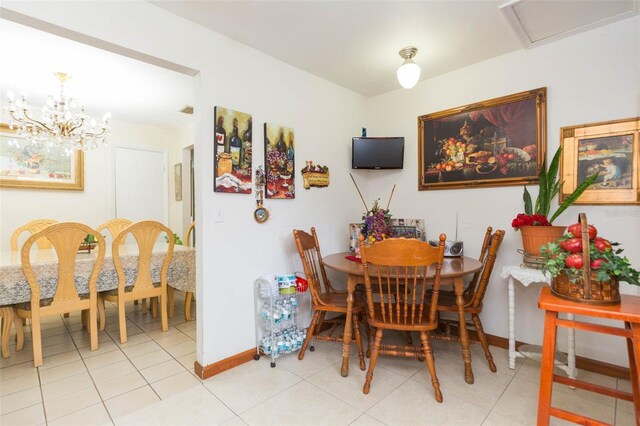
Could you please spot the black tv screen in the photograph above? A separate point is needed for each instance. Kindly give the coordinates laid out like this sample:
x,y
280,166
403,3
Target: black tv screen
x,y
377,153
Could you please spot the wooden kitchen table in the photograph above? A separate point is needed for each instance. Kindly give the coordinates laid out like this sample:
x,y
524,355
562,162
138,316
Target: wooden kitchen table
x,y
453,271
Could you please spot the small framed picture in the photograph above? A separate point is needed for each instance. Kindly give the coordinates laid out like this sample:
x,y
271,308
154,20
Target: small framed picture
x,y
408,228
354,234
608,149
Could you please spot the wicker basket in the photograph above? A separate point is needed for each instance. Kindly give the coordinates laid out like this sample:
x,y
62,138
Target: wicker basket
x,y
587,289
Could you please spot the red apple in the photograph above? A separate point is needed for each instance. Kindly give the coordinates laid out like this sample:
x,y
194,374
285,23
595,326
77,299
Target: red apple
x,y
602,244
573,261
572,245
576,231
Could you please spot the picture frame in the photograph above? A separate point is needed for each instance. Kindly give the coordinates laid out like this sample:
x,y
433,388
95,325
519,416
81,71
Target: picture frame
x,y
498,142
279,161
408,228
355,230
232,151
609,148
177,180
26,165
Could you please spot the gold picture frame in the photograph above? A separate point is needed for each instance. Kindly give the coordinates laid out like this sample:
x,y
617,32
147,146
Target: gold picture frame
x,y
26,166
498,142
609,148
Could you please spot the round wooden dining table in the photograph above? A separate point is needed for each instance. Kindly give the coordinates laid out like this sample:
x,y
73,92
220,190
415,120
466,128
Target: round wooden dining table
x,y
453,271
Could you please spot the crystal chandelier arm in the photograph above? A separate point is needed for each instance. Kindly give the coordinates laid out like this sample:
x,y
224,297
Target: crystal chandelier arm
x,y
40,126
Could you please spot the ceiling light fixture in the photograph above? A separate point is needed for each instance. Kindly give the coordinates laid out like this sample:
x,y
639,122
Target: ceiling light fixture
x,y
60,126
409,72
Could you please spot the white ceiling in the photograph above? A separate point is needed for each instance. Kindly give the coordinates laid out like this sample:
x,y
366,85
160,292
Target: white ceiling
x,y
352,43
355,43
131,90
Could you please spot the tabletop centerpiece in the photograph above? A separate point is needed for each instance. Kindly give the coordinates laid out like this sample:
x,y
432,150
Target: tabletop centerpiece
x,y
587,268
534,224
376,221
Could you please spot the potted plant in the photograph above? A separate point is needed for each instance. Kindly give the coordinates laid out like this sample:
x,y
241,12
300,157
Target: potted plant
x,y
565,260
534,224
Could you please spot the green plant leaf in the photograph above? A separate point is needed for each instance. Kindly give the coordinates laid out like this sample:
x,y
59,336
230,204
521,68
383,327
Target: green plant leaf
x,y
574,196
541,205
527,202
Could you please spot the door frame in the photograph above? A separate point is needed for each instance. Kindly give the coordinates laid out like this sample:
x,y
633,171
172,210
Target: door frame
x,y
165,180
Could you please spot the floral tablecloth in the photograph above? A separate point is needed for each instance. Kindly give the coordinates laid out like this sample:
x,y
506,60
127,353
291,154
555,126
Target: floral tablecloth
x,y
14,287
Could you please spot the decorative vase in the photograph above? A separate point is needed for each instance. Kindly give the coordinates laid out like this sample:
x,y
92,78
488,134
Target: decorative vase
x,y
534,237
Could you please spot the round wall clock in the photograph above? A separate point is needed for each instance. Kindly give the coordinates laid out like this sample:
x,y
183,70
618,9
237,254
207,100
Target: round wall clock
x,y
261,214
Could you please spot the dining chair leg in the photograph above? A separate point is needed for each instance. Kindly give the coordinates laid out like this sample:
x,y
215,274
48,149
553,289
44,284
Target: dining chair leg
x,y
546,370
170,297
153,302
356,330
83,318
7,320
633,349
431,365
36,338
483,341
372,361
163,310
102,315
122,320
93,327
17,322
310,331
188,297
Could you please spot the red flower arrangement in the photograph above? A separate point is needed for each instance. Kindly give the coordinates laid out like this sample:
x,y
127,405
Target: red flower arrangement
x,y
530,220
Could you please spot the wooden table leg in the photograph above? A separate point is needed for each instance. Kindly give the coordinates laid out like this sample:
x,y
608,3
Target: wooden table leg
x,y
546,371
7,319
346,342
458,286
633,347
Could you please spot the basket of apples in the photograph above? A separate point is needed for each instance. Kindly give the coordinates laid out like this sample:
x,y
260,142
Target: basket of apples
x,y
587,268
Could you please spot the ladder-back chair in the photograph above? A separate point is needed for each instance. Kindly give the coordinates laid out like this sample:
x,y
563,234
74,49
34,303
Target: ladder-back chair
x,y
146,234
397,272
32,227
65,238
324,298
474,294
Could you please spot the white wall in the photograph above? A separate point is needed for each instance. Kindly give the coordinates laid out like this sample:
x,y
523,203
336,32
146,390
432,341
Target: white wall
x,y
92,206
589,77
232,254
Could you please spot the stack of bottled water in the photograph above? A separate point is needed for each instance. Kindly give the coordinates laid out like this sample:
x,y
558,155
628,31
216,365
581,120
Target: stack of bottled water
x,y
283,309
284,342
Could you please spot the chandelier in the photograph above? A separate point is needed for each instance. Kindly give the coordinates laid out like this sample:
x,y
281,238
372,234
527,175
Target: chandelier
x,y
62,125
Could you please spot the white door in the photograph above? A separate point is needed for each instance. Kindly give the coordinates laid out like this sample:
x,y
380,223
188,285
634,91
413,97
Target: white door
x,y
141,185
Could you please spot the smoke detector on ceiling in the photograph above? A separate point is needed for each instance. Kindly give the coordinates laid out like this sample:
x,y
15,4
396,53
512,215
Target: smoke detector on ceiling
x,y
538,22
187,109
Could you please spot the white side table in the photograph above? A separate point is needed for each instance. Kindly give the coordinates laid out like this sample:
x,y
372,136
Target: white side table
x,y
526,277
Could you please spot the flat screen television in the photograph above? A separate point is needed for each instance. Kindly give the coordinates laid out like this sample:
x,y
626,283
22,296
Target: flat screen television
x,y
377,153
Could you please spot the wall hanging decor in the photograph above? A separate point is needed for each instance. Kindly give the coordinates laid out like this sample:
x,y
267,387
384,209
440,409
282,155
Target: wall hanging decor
x,y
28,165
610,149
260,214
177,181
233,151
315,175
279,153
497,142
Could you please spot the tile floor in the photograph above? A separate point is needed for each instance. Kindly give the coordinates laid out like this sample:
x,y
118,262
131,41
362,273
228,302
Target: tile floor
x,y
149,380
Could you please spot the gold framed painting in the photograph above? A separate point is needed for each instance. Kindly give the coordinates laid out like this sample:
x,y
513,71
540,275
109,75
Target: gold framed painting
x,y
35,166
610,149
497,142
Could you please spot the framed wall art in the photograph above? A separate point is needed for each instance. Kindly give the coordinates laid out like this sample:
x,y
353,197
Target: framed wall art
x,y
177,181
498,142
279,153
37,166
610,149
233,151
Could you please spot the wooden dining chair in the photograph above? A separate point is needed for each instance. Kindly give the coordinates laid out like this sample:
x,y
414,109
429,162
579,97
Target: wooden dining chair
x,y
474,294
8,318
115,226
188,295
142,285
397,274
324,297
32,227
65,238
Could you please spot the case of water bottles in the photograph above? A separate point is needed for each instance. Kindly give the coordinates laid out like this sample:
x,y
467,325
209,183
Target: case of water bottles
x,y
280,300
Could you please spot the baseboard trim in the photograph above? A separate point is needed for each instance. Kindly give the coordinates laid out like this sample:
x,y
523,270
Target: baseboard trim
x,y
583,363
211,370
